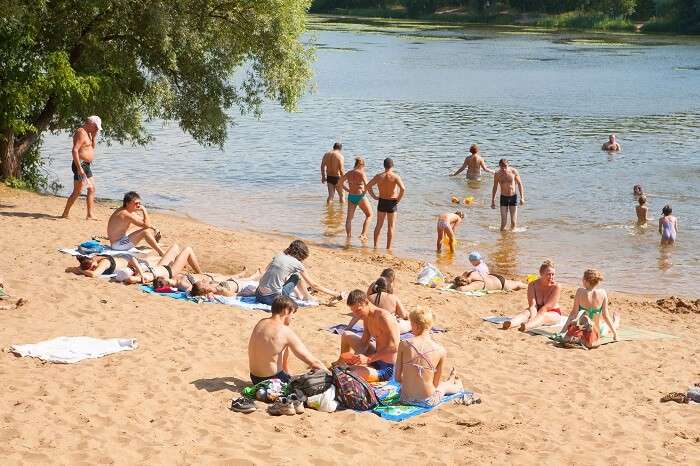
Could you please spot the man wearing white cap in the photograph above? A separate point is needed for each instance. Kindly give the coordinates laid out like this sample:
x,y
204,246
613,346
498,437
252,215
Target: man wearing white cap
x,y
83,152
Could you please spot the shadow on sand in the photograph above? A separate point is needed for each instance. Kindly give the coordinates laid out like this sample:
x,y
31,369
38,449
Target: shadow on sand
x,y
217,384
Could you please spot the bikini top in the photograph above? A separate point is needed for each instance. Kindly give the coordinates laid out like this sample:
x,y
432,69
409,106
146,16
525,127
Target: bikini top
x,y
420,368
112,264
591,311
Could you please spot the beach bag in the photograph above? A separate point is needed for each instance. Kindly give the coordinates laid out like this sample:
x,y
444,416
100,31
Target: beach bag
x,y
582,331
353,392
90,247
324,402
430,276
312,383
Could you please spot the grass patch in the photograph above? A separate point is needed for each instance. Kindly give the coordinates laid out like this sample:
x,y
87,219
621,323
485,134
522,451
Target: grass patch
x,y
581,20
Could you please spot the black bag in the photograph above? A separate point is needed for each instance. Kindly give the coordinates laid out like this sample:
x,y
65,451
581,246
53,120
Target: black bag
x,y
312,383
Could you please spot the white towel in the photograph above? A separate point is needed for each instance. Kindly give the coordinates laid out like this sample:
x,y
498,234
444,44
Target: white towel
x,y
69,350
107,252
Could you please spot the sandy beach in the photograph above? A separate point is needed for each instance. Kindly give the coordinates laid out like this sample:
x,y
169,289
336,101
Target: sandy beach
x,y
167,401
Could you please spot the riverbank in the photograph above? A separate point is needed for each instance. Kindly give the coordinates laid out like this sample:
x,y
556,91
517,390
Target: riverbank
x,y
167,401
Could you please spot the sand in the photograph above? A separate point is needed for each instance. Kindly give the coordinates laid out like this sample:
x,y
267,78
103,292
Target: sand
x,y
167,402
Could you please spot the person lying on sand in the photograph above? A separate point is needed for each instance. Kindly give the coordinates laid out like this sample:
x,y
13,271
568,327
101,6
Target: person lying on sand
x,y
542,302
125,216
419,364
382,296
590,304
214,285
474,280
446,226
611,145
271,341
372,360
286,273
130,270
7,302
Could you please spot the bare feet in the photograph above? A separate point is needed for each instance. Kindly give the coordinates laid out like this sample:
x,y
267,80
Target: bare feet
x,y
94,219
364,237
506,325
522,328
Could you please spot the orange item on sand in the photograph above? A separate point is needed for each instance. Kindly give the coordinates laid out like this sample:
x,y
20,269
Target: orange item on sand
x,y
348,356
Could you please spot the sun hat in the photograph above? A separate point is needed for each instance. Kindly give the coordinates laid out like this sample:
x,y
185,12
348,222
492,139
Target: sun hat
x,y
97,121
474,256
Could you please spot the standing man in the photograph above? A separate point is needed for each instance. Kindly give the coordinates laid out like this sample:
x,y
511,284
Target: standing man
x,y
507,177
357,186
474,163
388,183
84,141
124,217
332,170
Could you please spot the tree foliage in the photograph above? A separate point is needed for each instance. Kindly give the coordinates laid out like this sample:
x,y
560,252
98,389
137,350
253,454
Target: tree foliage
x,y
130,60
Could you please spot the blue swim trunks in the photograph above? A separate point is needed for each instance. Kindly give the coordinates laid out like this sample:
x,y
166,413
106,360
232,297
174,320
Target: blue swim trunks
x,y
385,371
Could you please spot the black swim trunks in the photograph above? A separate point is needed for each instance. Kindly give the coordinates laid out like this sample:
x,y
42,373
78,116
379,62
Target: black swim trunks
x,y
332,180
282,375
86,169
388,206
509,200
502,279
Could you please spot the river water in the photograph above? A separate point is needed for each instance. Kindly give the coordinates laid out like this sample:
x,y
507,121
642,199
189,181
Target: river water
x,y
422,94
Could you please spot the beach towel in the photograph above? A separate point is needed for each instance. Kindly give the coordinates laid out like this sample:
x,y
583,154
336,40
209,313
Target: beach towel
x,y
69,350
553,329
473,294
340,328
107,252
391,409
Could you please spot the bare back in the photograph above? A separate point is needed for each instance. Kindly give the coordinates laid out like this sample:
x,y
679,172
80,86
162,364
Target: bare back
x,y
383,327
388,183
118,224
266,347
333,160
474,162
421,366
388,302
357,180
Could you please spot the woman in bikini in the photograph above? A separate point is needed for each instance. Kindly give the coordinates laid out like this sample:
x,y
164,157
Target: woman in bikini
x,y
381,294
584,324
473,280
211,285
542,300
419,364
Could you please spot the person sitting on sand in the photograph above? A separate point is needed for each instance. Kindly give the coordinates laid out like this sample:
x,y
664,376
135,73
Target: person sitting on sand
x,y
125,216
8,302
474,163
130,270
389,275
372,356
668,225
419,364
542,302
382,295
478,265
446,226
590,304
286,273
611,145
357,181
271,341
642,210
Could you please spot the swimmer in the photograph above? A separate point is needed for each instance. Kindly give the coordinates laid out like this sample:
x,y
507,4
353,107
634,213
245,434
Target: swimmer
x,y
507,178
637,190
446,226
668,226
332,170
357,196
642,210
612,145
474,163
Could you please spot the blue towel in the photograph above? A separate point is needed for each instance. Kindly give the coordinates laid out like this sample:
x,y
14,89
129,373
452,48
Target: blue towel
x,y
174,295
393,410
340,328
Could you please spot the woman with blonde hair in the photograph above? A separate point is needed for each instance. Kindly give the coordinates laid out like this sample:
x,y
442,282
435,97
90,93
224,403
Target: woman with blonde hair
x,y
542,302
419,364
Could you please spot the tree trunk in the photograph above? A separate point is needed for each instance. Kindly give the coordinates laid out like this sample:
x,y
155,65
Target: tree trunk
x,y
9,157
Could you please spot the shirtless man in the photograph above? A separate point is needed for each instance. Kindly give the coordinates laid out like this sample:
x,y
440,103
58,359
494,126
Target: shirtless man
x,y
507,178
612,145
388,182
446,226
124,217
332,169
271,341
84,141
357,181
474,163
372,360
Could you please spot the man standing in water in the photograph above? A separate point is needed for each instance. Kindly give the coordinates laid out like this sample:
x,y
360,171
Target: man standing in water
x,y
84,141
612,145
474,163
507,177
388,183
332,170
357,182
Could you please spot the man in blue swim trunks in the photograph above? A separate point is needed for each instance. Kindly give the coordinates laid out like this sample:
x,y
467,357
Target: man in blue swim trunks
x,y
507,178
357,180
372,360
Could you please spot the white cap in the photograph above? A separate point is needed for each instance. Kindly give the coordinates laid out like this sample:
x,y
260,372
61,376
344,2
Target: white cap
x,y
97,121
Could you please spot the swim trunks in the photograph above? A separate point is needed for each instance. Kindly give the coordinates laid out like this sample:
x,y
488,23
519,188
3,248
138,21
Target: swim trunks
x,y
387,205
509,200
429,402
356,198
443,224
124,244
385,371
332,179
86,169
282,375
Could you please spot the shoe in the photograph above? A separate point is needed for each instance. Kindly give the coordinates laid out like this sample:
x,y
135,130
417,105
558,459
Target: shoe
x,y
468,399
281,406
297,403
243,405
675,396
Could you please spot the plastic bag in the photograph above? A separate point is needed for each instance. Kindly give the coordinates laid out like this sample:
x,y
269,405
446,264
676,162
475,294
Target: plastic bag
x,y
430,276
324,402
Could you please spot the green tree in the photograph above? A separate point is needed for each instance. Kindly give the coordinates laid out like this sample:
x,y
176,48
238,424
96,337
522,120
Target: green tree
x,y
189,61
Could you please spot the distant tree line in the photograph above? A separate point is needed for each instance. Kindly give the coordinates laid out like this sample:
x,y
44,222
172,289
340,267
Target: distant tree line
x,y
685,14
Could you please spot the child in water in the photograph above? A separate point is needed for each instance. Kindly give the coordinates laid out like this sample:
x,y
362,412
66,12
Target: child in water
x,y
446,226
668,226
642,210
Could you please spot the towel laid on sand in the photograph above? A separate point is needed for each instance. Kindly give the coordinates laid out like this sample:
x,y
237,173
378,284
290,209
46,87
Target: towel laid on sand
x,y
556,328
107,252
69,350
473,294
340,328
391,409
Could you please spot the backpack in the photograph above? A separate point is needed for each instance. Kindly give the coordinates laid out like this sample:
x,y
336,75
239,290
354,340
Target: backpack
x,y
312,383
353,392
90,247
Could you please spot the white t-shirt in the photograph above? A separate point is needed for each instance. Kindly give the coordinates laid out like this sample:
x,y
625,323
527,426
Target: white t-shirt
x,y
482,268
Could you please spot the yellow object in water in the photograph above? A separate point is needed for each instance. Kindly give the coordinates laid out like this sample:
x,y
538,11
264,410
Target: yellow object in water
x,y
446,241
455,200
469,200
531,277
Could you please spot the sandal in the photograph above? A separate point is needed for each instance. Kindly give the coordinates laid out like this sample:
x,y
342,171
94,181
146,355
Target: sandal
x,y
678,397
243,405
281,406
